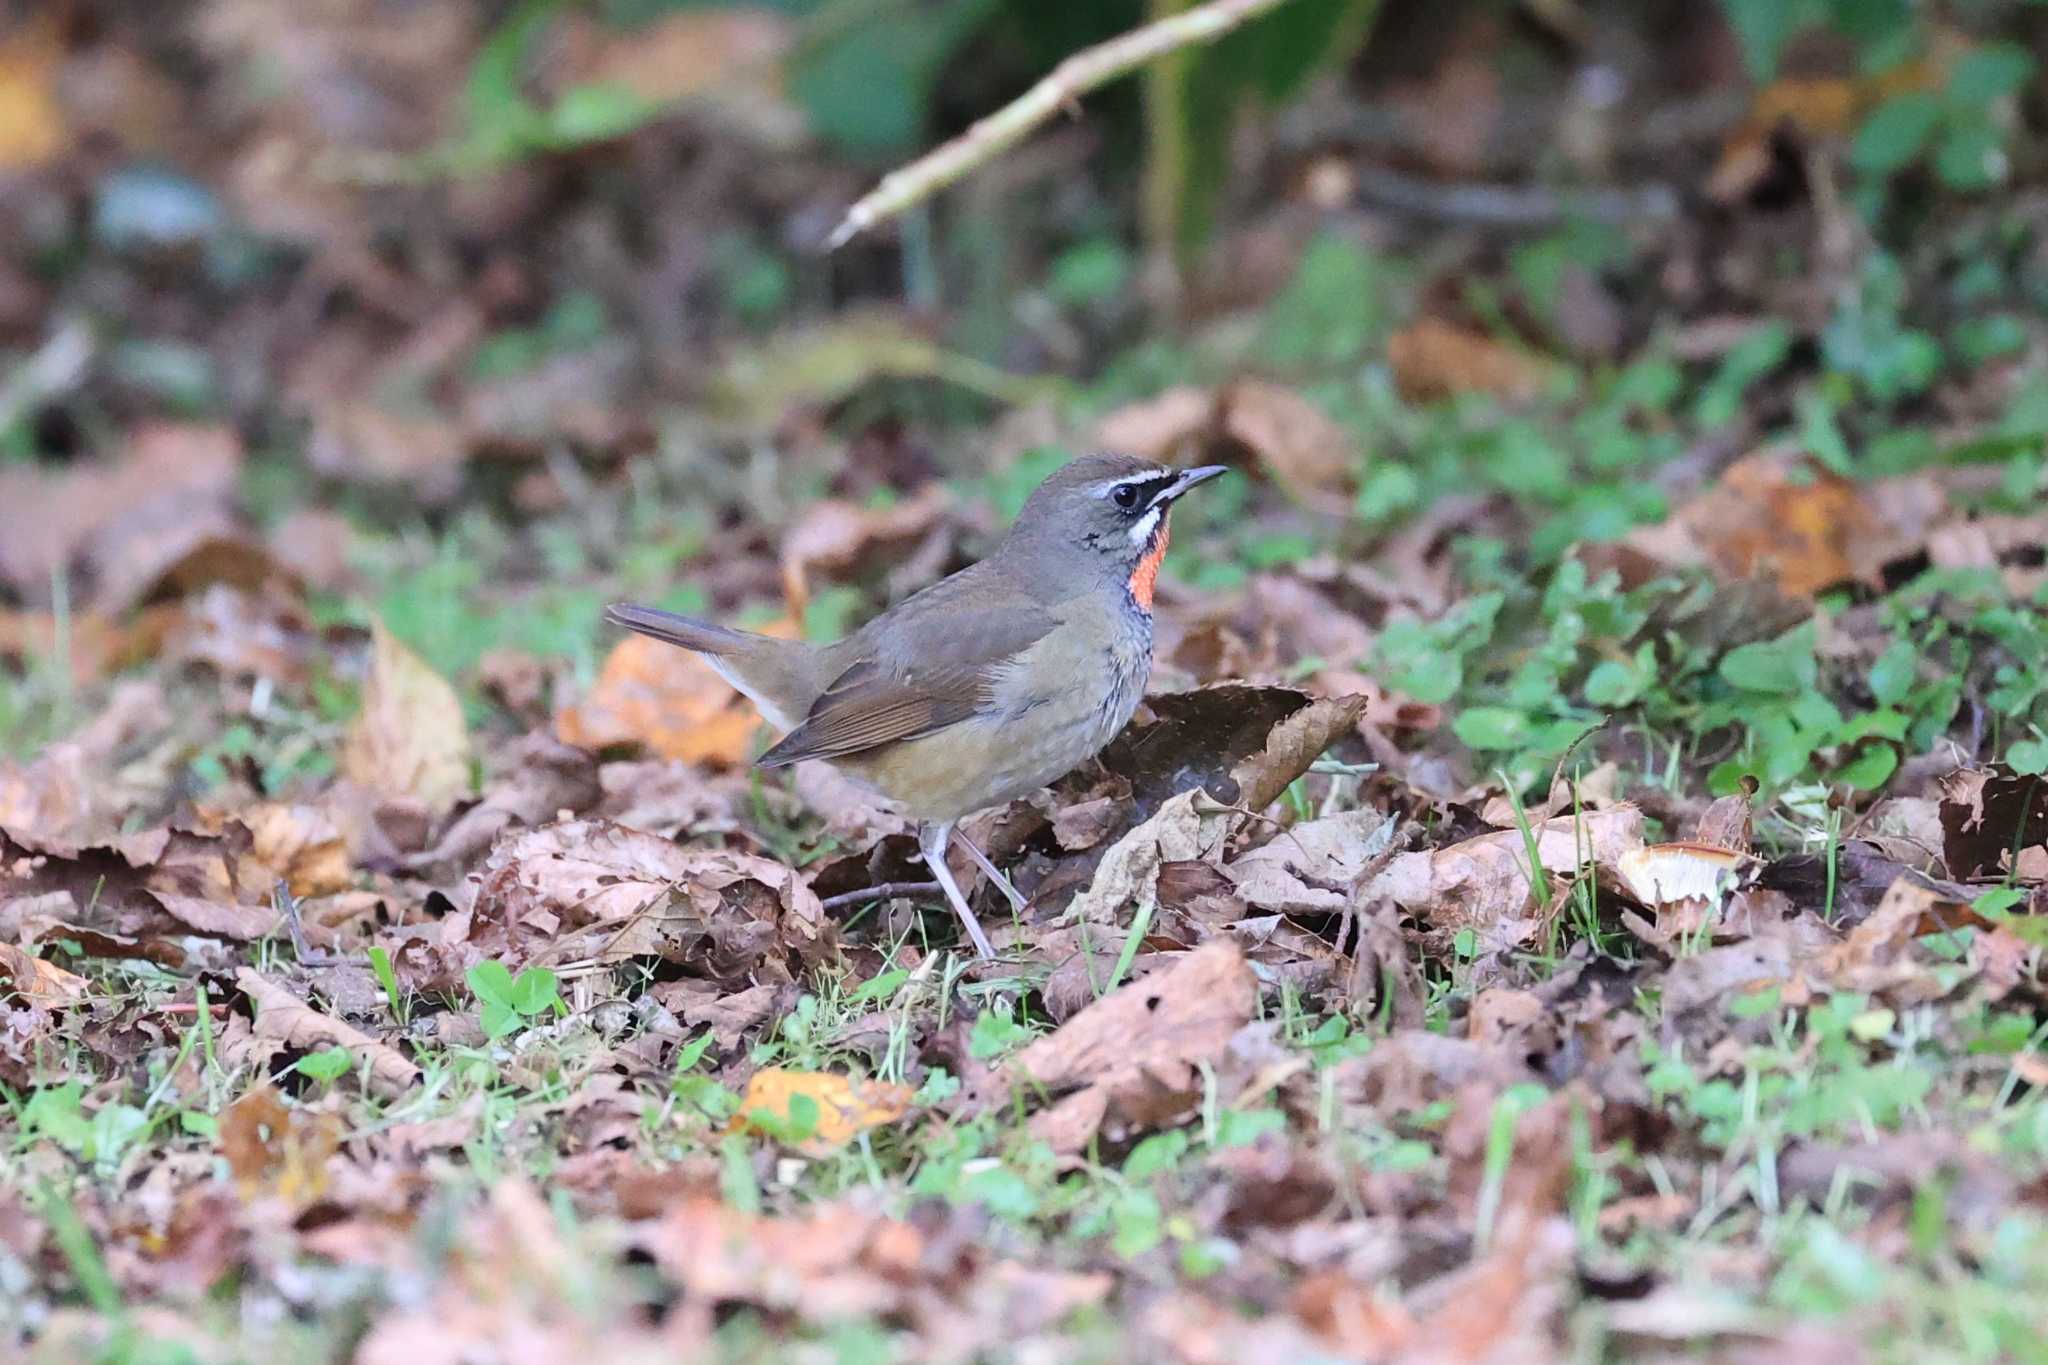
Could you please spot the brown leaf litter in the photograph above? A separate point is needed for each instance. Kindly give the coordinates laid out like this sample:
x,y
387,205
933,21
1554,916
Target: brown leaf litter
x,y
1129,1062
283,1018
588,891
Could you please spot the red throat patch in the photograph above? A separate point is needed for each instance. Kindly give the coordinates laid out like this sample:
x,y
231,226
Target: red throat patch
x,y
1147,572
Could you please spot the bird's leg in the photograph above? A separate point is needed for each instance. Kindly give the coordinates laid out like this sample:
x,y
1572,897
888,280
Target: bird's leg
x,y
994,874
931,842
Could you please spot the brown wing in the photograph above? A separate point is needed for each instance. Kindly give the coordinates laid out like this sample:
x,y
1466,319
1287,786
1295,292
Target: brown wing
x,y
912,682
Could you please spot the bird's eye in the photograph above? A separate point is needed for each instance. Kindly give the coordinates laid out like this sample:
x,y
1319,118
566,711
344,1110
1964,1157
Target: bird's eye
x,y
1126,496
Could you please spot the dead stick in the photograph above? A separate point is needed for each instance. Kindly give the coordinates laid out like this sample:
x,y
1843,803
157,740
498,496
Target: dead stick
x,y
880,891
1071,79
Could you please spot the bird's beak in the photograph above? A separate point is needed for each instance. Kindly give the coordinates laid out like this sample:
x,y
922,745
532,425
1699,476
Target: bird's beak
x,y
1188,479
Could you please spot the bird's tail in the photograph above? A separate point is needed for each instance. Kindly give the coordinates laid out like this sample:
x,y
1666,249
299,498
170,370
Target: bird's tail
x,y
687,631
779,676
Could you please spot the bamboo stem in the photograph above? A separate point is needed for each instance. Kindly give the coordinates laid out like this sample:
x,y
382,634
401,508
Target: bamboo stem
x,y
1074,77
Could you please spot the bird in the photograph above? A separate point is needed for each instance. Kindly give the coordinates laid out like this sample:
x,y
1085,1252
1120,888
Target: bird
x,y
986,685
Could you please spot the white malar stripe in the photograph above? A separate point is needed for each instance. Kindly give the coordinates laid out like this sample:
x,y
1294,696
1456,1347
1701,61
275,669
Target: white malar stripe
x,y
1141,529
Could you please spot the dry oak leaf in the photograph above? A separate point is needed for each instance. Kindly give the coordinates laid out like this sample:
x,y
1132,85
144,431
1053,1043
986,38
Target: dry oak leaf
x,y
283,1017
1134,1055
410,739
666,699
1156,428
844,1106
593,889
1484,884
1437,359
37,981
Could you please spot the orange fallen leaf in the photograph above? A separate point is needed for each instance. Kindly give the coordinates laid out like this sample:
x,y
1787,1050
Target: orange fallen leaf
x,y
275,1151
1436,359
845,1106
410,739
299,845
1774,515
668,700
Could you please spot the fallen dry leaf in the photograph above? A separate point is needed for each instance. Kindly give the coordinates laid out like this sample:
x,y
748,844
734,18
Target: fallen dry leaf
x,y
1436,359
170,475
1158,428
1131,1058
1777,516
299,845
1484,883
276,1151
1292,439
592,889
844,1106
1295,442
37,980
1312,867
1240,742
666,699
410,739
141,886
1187,828
1292,747
837,535
284,1018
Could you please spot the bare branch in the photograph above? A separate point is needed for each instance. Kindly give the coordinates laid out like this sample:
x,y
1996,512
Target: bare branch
x,y
1076,76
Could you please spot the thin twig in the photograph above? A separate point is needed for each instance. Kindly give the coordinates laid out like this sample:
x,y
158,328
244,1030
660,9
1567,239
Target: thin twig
x,y
880,891
1072,78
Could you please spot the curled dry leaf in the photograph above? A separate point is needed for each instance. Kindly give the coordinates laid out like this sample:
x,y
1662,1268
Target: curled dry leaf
x,y
1437,359
547,780
283,1017
1484,883
667,700
297,844
1295,442
410,739
844,1106
1292,747
592,890
1132,1058
1240,742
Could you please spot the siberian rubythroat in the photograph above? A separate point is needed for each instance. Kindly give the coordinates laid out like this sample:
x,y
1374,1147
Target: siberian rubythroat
x,y
989,683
